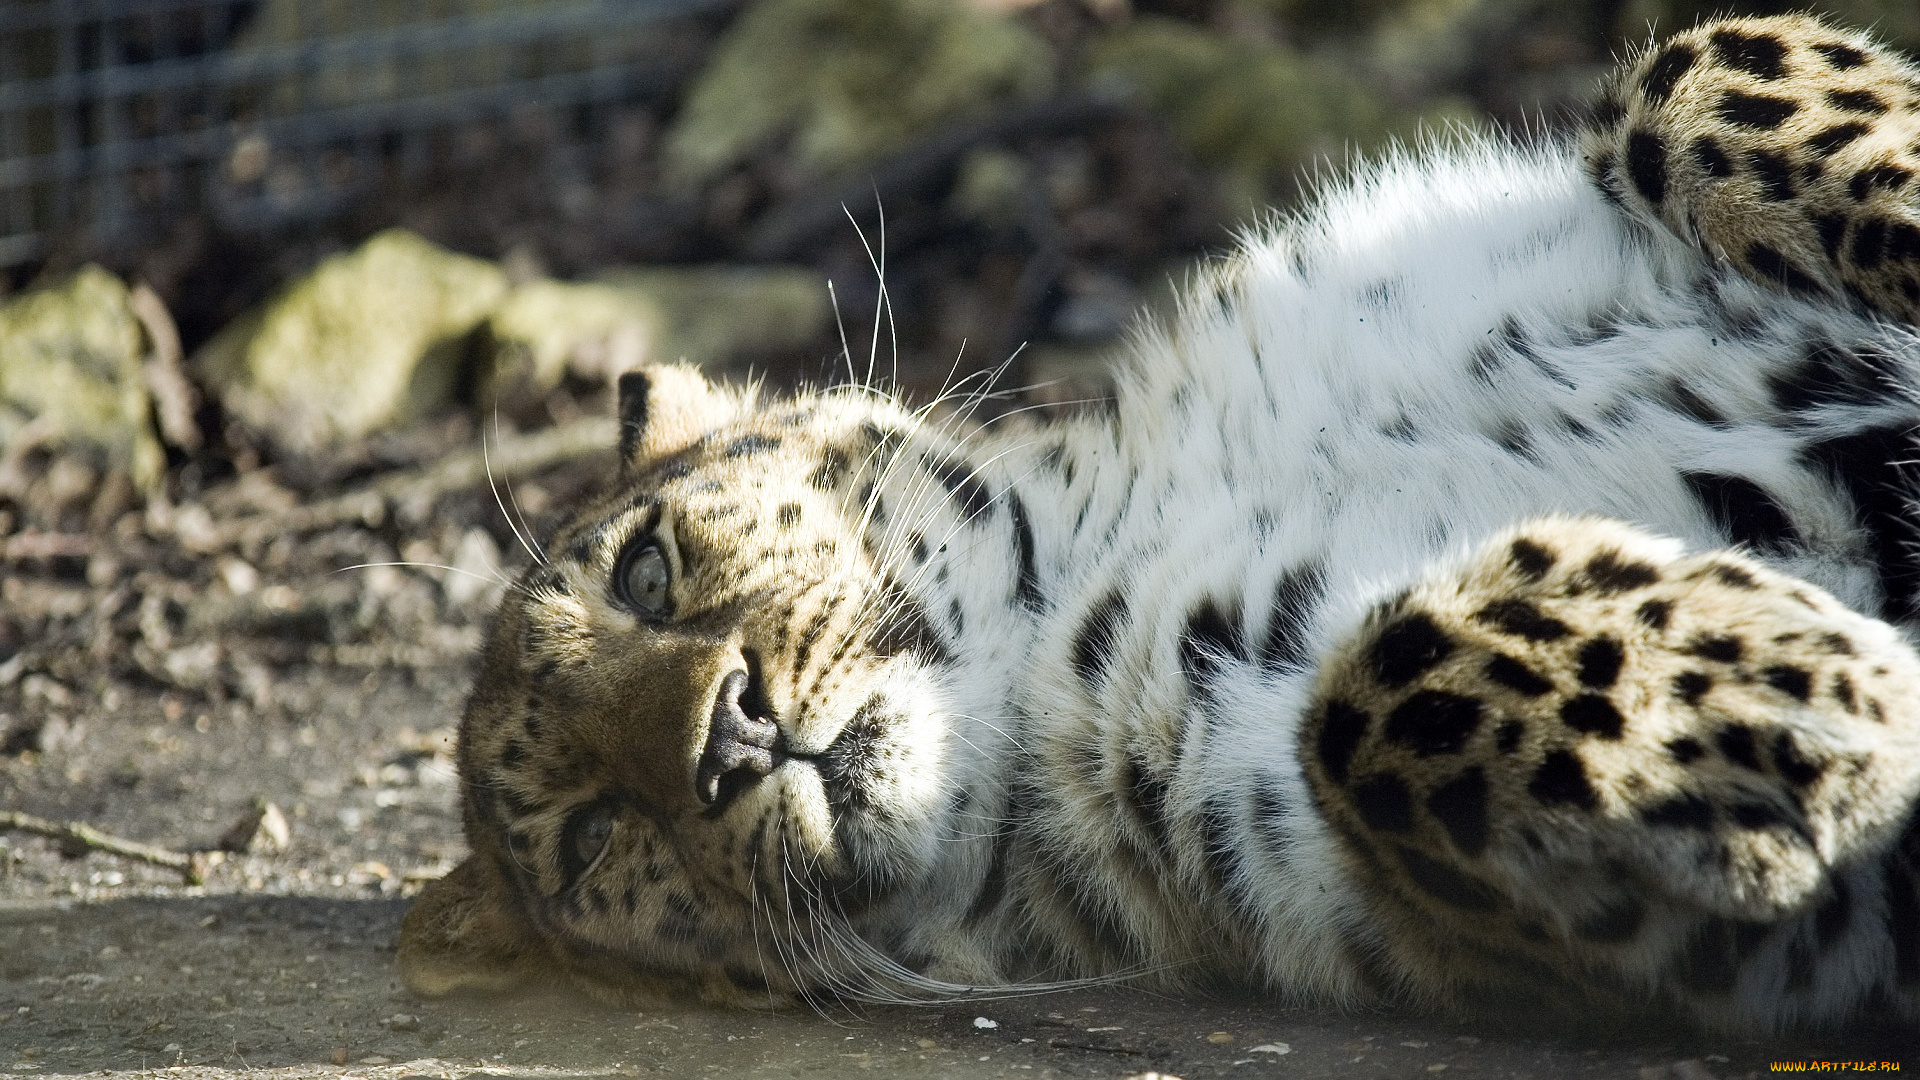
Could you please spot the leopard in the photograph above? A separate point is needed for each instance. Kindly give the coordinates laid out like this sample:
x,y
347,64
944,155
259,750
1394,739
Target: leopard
x,y
1496,586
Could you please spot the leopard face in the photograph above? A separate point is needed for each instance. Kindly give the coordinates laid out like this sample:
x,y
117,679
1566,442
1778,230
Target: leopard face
x,y
707,736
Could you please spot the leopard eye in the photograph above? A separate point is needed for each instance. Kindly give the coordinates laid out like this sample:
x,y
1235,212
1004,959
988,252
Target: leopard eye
x,y
586,835
643,580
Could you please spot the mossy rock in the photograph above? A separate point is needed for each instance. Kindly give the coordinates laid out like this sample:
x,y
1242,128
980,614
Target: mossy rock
x,y
708,316
368,339
1258,112
851,80
71,359
714,315
545,328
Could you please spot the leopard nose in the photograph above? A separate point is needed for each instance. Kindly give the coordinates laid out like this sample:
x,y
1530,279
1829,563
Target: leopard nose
x,y
742,745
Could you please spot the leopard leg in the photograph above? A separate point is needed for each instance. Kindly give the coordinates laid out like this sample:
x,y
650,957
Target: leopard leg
x,y
1786,146
1583,763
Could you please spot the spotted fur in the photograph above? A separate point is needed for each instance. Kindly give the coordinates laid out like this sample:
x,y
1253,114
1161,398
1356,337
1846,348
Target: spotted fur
x,y
1783,145
1477,594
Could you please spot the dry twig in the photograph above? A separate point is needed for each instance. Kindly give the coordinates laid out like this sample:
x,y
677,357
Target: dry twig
x,y
174,398
191,866
415,491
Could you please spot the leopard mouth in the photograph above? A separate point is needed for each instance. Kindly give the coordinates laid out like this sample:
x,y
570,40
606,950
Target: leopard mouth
x,y
851,760
746,744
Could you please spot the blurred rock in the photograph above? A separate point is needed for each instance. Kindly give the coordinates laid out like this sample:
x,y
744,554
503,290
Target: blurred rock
x,y
546,328
628,317
713,315
71,376
1258,111
991,187
263,829
370,338
851,80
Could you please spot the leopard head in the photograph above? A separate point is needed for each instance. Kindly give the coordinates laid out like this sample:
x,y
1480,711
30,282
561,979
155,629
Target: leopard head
x,y
707,734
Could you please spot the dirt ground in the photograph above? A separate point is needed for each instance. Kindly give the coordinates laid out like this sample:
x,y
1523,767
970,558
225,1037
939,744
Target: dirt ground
x,y
168,667
282,964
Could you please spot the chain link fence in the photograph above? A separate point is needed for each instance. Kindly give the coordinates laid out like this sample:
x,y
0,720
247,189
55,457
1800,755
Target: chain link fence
x,y
115,113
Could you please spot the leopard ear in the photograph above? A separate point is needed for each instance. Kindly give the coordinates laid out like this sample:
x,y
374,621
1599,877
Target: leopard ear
x,y
464,935
665,408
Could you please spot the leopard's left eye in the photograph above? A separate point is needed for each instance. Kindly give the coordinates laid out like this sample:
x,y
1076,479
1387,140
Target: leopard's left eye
x,y
585,836
644,581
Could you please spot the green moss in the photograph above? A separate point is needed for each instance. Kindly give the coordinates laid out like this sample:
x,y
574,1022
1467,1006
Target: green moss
x,y
852,80
716,314
367,339
71,374
545,327
1257,111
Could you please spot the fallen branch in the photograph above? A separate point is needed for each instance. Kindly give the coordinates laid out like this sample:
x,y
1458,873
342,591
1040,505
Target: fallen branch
x,y
174,398
44,545
415,491
190,866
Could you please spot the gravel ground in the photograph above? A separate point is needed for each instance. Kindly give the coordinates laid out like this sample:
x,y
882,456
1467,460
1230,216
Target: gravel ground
x,y
339,712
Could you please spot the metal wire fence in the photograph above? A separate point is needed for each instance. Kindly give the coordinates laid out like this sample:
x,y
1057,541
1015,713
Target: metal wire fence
x,y
116,112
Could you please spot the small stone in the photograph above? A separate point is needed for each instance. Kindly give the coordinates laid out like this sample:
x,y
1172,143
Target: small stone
x,y
1274,1048
338,1056
263,829
238,575
1690,1069
476,573
170,1048
402,1022
376,1059
1220,1038
985,1024
925,1044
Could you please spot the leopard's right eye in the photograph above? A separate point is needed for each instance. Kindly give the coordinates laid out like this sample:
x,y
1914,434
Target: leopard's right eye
x,y
643,580
584,837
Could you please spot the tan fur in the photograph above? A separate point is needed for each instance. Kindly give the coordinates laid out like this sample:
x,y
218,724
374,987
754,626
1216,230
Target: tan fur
x,y
578,701
1617,705
1807,177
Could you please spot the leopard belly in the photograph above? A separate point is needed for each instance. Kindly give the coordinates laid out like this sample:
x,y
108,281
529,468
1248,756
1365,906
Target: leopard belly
x,y
1346,403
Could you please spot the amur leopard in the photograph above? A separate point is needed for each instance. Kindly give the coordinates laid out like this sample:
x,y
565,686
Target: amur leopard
x,y
1497,584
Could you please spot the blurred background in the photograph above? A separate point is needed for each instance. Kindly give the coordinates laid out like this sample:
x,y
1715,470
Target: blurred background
x,y
1043,166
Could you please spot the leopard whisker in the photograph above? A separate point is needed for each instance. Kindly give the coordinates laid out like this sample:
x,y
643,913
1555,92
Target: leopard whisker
x,y
496,577
526,540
